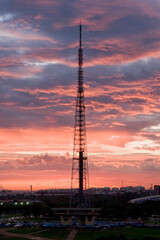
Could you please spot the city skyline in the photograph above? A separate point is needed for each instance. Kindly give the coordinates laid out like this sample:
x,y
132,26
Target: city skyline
x,y
38,76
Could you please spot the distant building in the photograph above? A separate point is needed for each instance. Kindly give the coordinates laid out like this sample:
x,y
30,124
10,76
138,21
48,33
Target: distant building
x,y
156,189
140,189
115,189
107,189
132,189
122,189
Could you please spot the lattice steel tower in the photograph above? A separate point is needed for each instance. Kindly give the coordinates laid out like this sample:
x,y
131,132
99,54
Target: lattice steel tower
x,y
79,179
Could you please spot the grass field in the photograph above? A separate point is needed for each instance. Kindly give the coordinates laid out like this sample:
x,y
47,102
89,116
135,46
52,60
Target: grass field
x,y
13,238
25,230
54,233
129,233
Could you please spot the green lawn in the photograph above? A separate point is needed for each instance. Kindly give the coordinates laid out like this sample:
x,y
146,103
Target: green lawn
x,y
25,230
54,233
152,222
129,233
13,238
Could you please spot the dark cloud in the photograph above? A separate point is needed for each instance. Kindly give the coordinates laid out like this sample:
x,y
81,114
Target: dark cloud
x,y
148,165
40,162
133,24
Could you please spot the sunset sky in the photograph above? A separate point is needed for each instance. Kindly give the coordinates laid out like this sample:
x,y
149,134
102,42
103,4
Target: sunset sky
x,y
38,78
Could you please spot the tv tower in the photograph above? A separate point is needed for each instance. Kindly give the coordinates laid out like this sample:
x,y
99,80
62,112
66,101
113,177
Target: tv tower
x,y
79,178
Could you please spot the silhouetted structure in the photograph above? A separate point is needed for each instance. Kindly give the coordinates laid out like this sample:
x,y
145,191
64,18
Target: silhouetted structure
x,y
157,189
79,179
80,209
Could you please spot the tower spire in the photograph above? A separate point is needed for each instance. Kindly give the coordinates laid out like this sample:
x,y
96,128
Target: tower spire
x,y
80,35
79,179
80,48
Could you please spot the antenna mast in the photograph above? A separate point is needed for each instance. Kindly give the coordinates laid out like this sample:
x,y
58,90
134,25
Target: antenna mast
x,y
79,179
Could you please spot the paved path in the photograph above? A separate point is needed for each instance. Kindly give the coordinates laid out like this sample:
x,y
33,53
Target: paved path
x,y
72,234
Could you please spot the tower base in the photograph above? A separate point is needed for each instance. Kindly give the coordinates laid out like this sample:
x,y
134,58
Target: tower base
x,y
84,216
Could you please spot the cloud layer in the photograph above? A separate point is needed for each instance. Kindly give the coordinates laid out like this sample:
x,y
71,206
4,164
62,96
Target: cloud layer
x,y
38,78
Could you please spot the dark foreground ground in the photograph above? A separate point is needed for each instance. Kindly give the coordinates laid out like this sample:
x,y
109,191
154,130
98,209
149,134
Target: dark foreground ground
x,y
124,233
116,208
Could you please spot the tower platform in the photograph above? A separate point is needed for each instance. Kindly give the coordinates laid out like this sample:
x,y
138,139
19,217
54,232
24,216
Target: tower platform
x,y
85,216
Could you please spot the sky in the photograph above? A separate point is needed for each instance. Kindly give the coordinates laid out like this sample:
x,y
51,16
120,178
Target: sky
x,y
38,82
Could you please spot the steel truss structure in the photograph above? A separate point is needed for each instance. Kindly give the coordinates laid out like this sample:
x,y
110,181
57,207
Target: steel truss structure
x,y
79,178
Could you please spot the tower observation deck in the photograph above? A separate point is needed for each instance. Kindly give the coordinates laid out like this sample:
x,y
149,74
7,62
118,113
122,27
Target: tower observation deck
x,y
79,178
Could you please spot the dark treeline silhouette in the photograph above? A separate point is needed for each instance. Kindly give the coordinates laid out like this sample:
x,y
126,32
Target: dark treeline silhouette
x,y
116,206
122,237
